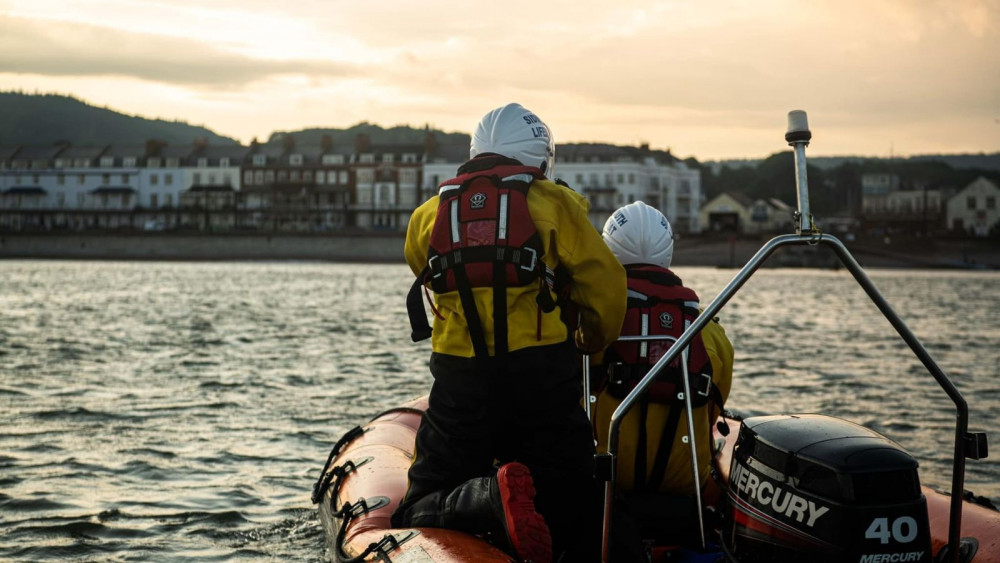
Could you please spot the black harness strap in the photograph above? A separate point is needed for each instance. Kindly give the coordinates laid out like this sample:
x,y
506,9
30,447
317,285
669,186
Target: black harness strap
x,y
639,475
471,313
500,311
670,434
666,444
420,329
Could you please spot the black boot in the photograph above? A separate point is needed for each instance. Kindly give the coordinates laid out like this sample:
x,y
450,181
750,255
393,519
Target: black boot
x,y
501,507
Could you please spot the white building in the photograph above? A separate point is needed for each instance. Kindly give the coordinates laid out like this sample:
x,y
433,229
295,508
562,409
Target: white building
x,y
387,182
612,176
973,209
902,203
110,187
65,187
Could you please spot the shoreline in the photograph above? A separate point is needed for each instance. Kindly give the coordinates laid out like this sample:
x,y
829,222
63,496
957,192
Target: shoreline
x,y
387,248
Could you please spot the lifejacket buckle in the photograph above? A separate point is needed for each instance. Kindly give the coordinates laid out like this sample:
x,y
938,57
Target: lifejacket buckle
x,y
534,259
705,390
435,268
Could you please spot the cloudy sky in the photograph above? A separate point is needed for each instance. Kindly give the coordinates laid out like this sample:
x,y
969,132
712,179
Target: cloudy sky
x,y
706,78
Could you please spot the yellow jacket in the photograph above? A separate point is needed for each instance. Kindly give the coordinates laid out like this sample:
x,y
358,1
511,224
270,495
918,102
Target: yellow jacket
x,y
597,288
678,477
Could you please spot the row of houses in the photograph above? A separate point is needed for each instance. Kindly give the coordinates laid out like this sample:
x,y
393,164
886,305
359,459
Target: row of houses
x,y
285,186
971,210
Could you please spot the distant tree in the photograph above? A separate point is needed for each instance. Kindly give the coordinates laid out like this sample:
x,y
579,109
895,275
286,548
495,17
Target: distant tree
x,y
846,180
727,179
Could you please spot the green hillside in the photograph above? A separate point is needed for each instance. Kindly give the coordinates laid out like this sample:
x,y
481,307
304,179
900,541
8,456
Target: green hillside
x,y
43,119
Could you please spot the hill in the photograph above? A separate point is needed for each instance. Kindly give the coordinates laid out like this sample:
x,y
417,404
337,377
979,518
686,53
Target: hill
x,y
398,135
981,161
43,119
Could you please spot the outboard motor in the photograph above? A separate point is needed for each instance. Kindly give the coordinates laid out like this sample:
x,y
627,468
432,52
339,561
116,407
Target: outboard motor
x,y
820,489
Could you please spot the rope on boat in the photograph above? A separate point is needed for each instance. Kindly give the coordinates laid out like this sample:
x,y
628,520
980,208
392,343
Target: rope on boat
x,y
969,496
333,477
323,483
406,410
325,478
382,547
336,477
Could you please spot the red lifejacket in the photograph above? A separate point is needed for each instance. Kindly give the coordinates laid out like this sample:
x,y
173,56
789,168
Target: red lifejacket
x,y
483,236
658,304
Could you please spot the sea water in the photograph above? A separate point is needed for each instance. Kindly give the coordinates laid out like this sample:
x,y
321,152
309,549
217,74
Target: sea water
x,y
177,411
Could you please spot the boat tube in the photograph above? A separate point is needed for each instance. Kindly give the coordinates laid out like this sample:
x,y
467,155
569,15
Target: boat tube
x,y
365,479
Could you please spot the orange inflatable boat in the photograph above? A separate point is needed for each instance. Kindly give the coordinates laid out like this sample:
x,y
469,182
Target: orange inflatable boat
x,y
365,478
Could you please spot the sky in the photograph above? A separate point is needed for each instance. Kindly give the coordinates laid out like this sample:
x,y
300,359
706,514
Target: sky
x,y
712,79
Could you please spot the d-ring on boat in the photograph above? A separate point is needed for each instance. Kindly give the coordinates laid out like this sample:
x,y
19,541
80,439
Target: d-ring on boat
x,y
798,487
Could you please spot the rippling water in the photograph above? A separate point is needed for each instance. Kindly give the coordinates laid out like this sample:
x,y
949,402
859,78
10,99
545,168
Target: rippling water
x,y
182,411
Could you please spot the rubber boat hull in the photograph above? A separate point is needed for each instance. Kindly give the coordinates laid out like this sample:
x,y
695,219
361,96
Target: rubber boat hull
x,y
382,455
366,479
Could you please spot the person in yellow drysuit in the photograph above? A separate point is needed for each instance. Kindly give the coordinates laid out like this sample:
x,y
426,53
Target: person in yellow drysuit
x,y
512,399
654,456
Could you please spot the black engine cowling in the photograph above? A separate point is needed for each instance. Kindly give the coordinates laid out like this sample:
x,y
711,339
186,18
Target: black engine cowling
x,y
820,489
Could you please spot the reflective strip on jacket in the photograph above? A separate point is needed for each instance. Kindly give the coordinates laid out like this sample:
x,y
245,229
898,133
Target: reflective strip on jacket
x,y
598,280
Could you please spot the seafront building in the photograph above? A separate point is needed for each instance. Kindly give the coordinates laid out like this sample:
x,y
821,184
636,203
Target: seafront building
x,y
974,209
734,212
284,186
612,176
154,187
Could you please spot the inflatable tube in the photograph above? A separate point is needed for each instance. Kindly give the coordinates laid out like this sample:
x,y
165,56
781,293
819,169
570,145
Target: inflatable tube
x,y
364,482
365,479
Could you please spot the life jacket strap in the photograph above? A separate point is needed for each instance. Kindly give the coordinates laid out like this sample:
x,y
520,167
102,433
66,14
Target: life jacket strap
x,y
623,377
639,482
524,258
471,313
499,312
420,329
665,447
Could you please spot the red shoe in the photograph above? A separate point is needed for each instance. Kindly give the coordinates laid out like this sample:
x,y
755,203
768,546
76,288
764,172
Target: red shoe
x,y
526,529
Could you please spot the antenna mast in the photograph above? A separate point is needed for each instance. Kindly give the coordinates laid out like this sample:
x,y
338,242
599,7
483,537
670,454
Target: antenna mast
x,y
798,137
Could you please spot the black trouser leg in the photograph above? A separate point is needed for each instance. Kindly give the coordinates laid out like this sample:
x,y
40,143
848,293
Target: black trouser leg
x,y
529,412
545,427
452,444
